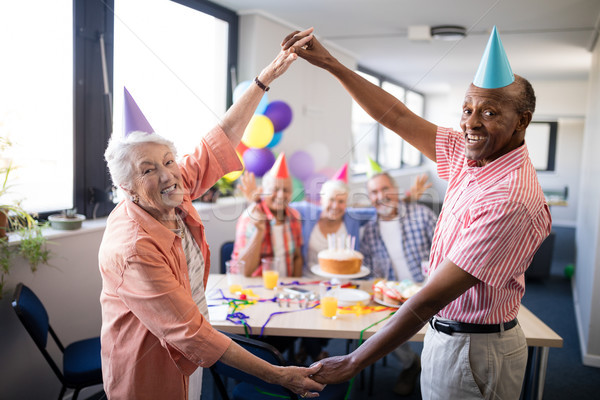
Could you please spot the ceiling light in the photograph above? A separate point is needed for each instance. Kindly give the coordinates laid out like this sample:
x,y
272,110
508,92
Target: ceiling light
x,y
448,32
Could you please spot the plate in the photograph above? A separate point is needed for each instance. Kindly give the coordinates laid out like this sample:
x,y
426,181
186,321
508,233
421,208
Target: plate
x,y
383,303
349,297
316,269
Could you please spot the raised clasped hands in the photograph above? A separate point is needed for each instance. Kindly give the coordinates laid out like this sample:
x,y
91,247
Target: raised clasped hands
x,y
311,50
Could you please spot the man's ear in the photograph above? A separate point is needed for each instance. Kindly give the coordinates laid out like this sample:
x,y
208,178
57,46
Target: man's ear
x,y
524,120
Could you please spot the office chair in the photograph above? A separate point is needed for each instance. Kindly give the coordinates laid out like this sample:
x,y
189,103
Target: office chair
x,y
251,387
81,359
226,251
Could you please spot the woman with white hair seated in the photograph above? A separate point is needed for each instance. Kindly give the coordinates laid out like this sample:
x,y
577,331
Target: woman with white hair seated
x,y
154,260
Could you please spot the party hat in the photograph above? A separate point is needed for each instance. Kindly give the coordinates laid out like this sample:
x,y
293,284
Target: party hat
x,y
494,69
134,120
341,174
280,169
372,168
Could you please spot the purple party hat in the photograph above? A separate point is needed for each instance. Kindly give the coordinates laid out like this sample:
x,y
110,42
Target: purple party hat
x,y
133,118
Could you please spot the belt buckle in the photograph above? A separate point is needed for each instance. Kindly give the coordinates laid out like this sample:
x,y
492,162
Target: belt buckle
x,y
440,326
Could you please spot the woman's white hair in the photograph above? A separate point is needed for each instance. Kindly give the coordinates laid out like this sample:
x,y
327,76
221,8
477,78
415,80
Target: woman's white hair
x,y
333,187
118,155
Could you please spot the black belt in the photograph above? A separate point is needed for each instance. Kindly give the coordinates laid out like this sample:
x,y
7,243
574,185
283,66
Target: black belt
x,y
449,327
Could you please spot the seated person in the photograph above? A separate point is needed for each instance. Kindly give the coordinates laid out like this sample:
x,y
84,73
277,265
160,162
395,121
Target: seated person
x,y
269,227
394,244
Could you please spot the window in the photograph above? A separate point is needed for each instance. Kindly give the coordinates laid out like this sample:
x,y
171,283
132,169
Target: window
x,y
376,141
541,144
36,102
177,76
56,109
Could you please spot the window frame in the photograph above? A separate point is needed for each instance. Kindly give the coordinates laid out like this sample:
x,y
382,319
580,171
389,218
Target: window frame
x,y
92,119
380,128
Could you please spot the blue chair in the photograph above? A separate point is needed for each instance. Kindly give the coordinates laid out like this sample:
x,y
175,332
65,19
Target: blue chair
x,y
253,388
226,251
81,359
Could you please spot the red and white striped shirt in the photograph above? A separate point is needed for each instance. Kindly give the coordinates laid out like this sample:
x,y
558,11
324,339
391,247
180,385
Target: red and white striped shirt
x,y
493,220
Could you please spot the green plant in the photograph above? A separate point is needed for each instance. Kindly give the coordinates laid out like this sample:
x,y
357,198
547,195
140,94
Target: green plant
x,y
13,218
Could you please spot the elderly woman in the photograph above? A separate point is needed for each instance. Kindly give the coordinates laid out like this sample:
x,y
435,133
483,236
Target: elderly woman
x,y
269,227
154,333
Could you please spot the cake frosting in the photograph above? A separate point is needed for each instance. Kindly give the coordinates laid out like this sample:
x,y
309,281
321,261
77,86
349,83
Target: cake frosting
x,y
340,261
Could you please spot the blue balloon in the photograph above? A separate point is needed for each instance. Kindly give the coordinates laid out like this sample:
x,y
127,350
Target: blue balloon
x,y
241,88
276,139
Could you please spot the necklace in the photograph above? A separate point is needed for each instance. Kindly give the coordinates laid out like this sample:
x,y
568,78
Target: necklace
x,y
180,231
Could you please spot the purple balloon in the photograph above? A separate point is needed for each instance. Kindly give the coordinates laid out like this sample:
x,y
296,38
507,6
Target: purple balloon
x,y
258,161
301,165
280,114
312,187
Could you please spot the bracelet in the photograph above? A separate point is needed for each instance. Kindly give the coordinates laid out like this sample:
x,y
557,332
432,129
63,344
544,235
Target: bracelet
x,y
261,85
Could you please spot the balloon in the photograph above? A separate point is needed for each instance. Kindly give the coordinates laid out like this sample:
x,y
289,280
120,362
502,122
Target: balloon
x,y
276,139
320,153
297,189
301,165
258,161
232,176
312,187
259,132
280,114
241,88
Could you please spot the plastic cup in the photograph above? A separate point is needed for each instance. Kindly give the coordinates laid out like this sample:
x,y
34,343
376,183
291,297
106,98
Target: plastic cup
x,y
235,275
329,299
270,272
380,270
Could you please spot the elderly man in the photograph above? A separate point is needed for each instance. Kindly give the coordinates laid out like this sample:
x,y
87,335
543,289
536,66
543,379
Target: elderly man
x,y
493,220
394,244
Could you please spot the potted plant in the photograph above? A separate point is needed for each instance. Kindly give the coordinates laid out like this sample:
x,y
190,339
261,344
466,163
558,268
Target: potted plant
x,y
13,218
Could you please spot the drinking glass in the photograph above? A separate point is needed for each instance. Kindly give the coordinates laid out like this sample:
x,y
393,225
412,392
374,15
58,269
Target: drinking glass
x,y
235,275
329,298
270,272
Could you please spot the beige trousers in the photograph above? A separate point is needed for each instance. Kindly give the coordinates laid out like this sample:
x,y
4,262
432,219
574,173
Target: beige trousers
x,y
473,365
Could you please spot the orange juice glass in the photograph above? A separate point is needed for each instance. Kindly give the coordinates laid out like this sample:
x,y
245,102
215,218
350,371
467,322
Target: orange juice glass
x,y
329,298
270,272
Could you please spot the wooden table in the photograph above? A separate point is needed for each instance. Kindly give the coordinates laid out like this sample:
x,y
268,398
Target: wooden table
x,y
299,322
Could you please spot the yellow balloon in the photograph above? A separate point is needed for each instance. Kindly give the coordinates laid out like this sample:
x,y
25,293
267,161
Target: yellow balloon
x,y
259,132
232,176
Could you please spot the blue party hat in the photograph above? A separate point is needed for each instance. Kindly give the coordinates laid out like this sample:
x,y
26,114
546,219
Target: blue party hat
x,y
494,69
133,118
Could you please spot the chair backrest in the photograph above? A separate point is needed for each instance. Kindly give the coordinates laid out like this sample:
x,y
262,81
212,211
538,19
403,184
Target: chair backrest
x,y
260,349
32,314
226,251
34,318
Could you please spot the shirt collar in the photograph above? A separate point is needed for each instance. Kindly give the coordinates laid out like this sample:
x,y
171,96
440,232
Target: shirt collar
x,y
499,167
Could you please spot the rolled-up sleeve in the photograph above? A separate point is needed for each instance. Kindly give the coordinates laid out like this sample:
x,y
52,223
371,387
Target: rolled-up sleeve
x,y
213,158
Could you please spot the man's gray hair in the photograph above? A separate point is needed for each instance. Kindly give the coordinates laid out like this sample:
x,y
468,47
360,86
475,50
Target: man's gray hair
x,y
119,150
392,180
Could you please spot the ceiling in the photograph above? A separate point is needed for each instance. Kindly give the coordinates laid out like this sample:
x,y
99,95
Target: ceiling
x,y
544,39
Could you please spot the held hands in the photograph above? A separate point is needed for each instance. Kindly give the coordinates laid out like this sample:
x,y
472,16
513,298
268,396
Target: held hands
x,y
299,380
284,59
336,369
311,50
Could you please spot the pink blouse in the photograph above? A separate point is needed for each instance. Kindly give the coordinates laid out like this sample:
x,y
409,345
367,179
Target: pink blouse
x,y
153,335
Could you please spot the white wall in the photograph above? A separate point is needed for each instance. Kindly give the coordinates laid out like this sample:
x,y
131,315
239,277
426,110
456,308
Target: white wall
x,y
586,288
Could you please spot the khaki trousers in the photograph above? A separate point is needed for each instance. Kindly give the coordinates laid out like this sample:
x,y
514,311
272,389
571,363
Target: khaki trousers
x,y
473,365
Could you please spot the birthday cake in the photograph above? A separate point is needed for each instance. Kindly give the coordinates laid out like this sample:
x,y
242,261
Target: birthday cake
x,y
340,261
395,293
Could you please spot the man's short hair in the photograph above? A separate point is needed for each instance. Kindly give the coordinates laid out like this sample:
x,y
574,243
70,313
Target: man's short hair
x,y
392,181
526,100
